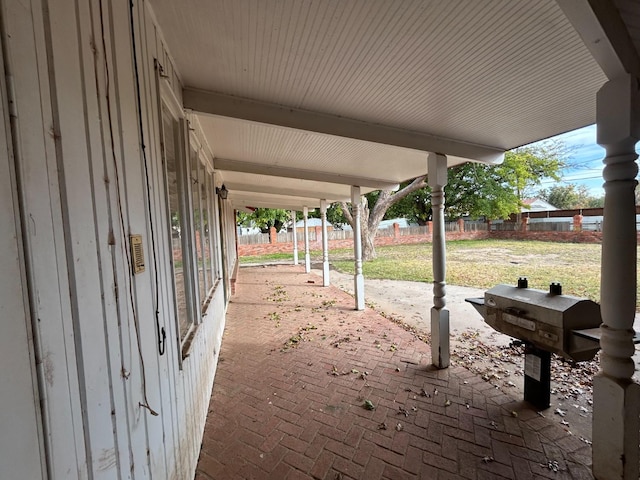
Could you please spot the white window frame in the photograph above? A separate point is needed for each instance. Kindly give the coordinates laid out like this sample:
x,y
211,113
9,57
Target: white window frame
x,y
169,103
192,147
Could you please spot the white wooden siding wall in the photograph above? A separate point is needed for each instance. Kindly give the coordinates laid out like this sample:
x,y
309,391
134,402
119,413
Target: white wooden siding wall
x,y
45,252
20,413
77,115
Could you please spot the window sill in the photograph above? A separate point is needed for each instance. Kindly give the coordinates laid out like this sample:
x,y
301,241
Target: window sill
x,y
185,348
187,342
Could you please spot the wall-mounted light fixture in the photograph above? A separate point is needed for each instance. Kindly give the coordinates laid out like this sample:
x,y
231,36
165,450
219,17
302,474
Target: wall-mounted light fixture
x,y
222,192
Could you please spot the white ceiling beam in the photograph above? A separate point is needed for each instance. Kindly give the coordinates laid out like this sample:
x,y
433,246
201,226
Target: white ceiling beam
x,y
293,192
249,201
604,33
213,103
242,208
223,164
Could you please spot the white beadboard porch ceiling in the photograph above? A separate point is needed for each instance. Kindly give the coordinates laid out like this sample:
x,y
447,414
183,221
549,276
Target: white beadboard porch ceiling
x,y
472,78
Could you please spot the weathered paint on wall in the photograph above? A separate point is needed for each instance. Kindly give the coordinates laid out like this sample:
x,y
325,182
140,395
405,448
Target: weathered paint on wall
x,y
86,180
22,452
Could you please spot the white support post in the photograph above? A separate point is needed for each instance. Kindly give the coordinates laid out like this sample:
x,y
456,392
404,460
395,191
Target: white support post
x,y
358,279
307,256
295,237
325,244
437,168
616,398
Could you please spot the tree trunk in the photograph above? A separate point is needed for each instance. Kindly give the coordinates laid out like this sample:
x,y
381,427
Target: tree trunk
x,y
370,218
368,247
370,228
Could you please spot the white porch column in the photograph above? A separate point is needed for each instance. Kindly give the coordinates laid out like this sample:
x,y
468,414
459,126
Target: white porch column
x,y
437,165
358,279
295,237
325,244
307,256
615,396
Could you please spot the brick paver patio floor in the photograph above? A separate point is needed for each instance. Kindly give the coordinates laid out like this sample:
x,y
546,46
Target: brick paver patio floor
x,y
297,366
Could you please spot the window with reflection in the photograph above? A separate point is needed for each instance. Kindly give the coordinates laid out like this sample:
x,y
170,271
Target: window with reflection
x,y
191,210
174,162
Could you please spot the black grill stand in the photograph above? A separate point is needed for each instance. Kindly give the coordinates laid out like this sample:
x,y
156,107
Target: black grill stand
x,y
537,376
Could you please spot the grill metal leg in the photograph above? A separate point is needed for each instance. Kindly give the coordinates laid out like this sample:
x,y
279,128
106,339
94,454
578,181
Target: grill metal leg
x,y
537,377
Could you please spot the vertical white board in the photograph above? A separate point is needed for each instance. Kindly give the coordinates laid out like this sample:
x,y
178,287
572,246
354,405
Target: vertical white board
x,y
21,451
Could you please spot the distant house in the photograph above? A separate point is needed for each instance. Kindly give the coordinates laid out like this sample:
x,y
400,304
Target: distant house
x,y
248,230
311,222
536,205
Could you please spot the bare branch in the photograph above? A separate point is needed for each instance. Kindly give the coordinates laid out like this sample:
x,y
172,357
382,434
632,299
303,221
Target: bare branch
x,y
417,184
388,198
346,212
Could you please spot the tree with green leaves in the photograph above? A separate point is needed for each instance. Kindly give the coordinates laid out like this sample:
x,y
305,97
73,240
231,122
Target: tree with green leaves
x,y
264,218
525,168
473,189
570,196
334,215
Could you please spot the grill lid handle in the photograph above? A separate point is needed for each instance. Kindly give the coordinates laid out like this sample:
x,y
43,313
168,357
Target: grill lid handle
x,y
515,311
555,288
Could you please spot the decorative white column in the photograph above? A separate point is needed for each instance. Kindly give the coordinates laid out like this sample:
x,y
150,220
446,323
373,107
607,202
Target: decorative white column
x,y
325,244
307,256
616,398
437,170
295,237
358,279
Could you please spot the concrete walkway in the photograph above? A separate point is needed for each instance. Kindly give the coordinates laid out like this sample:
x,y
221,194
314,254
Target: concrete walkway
x,y
299,367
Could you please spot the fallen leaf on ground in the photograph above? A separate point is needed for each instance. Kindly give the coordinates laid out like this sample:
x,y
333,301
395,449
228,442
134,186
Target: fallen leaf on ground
x,y
368,405
551,465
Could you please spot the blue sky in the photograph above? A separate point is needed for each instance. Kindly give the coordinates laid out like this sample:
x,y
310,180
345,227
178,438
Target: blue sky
x,y
587,157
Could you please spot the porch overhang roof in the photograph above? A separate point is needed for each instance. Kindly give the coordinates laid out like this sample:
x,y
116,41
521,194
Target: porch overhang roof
x,y
317,96
265,165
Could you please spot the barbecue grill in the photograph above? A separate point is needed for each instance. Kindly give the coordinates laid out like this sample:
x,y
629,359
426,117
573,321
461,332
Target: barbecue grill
x,y
546,322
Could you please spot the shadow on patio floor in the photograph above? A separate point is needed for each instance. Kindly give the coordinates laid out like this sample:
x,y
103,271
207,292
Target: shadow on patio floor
x,y
298,367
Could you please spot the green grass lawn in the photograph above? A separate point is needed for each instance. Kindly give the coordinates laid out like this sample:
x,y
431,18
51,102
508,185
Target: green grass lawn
x,y
483,264
270,257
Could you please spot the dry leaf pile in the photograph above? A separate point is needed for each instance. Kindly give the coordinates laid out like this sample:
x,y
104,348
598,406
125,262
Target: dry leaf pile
x,y
503,367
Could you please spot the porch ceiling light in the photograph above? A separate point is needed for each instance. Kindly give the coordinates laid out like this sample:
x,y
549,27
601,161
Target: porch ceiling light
x,y
222,192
